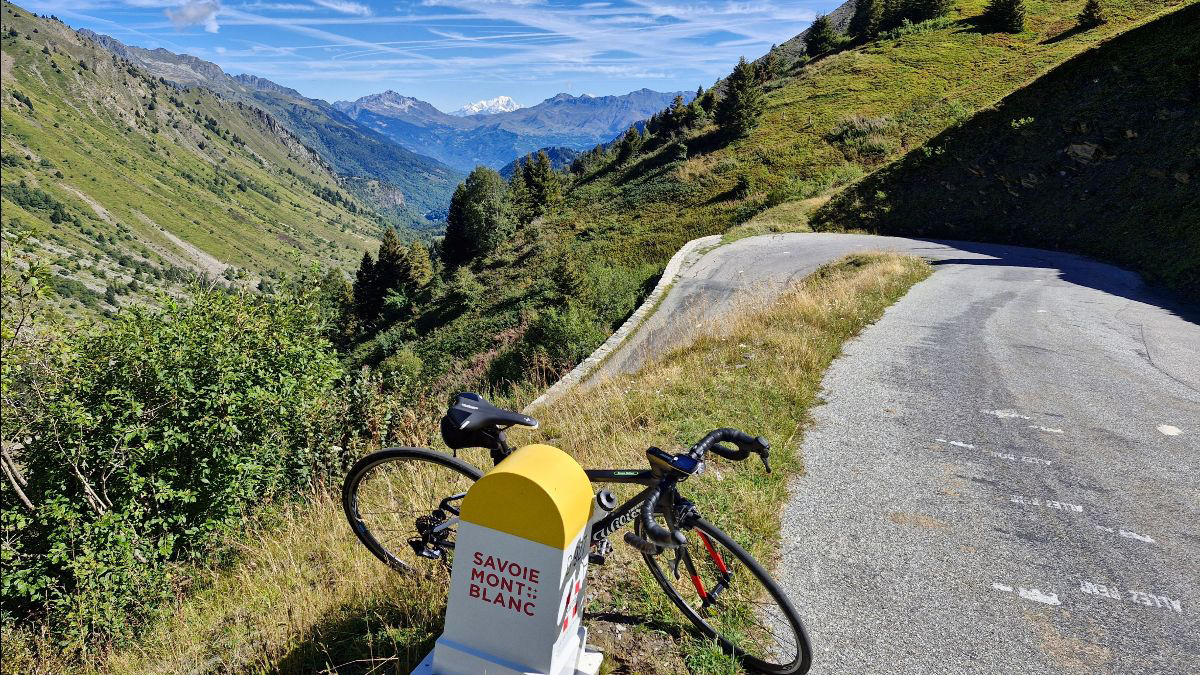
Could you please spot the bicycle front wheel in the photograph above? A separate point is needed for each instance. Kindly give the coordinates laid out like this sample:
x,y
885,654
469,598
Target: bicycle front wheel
x,y
725,592
403,504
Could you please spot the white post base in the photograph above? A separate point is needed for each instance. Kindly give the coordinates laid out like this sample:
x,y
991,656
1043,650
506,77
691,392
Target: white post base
x,y
588,664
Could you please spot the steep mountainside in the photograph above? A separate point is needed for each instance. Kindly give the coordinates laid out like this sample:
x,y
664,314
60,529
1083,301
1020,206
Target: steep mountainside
x,y
827,122
576,122
350,148
1102,155
132,184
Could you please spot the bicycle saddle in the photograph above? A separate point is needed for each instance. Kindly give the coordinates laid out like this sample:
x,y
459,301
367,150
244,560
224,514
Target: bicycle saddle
x,y
472,422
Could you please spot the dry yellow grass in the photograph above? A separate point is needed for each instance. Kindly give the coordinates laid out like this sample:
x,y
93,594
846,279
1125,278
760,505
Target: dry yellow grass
x,y
303,595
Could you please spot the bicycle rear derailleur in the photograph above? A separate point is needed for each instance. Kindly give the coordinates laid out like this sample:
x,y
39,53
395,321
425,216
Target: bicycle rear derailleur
x,y
432,542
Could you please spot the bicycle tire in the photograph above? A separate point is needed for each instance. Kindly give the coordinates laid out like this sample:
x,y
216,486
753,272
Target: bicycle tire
x,y
362,470
803,659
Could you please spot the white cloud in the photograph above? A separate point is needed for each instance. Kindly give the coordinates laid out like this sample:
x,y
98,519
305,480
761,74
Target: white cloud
x,y
196,13
345,7
277,7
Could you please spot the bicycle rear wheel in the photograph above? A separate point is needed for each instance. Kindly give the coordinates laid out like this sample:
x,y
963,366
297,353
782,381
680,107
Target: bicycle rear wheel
x,y
402,503
725,592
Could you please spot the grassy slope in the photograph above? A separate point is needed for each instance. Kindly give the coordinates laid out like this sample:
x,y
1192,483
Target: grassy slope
x,y
921,83
627,220
305,596
1101,156
125,181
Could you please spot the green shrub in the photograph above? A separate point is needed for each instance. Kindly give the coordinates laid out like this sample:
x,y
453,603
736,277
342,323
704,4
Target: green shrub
x,y
1007,16
144,439
1092,15
865,137
401,370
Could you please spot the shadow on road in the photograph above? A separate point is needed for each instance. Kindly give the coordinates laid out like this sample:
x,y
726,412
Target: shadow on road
x,y
1073,269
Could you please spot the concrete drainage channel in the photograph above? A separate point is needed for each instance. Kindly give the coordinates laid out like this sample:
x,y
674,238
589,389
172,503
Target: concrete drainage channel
x,y
689,253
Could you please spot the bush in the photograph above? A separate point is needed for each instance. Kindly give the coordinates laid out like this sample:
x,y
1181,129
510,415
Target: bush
x,y
401,370
865,138
145,439
1005,15
822,37
1092,14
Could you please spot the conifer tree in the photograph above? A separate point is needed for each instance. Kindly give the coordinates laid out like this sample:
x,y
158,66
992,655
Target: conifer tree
x,y
864,24
768,67
1092,14
743,104
364,289
545,188
822,37
678,115
479,218
390,263
418,268
518,190
1005,15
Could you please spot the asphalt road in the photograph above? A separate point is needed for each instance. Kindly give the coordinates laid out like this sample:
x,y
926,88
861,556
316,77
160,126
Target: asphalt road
x,y
1006,475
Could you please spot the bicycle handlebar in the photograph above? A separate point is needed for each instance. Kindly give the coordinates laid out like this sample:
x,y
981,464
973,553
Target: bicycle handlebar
x,y
657,535
745,443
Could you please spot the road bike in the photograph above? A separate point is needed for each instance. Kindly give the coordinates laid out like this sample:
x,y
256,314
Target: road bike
x,y
403,504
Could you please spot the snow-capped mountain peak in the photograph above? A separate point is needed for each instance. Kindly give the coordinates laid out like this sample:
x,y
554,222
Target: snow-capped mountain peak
x,y
500,104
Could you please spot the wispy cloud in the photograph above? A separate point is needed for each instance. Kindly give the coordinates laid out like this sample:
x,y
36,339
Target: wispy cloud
x,y
345,7
196,13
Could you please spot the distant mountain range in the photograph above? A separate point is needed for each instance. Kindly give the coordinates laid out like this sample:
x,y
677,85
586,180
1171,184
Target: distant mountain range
x,y
463,142
500,104
352,149
360,138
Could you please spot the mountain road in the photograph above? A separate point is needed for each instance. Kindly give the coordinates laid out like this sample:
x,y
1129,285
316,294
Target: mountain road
x,y
1005,474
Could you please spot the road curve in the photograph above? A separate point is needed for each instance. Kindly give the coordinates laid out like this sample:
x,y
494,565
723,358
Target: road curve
x,y
1005,477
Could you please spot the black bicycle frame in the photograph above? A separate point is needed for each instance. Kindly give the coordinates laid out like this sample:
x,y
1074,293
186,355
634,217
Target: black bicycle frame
x,y
627,512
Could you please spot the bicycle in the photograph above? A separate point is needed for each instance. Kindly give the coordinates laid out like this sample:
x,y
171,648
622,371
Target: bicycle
x,y
412,531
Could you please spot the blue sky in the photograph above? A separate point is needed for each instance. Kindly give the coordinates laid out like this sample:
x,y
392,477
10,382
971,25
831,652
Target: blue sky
x,y
452,52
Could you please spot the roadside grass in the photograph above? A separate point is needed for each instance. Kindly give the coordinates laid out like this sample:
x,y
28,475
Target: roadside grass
x,y
301,595
786,217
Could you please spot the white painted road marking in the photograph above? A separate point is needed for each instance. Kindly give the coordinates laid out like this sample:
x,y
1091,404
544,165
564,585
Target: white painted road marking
x,y
1006,414
1046,429
1128,534
1038,596
957,444
1169,430
1032,594
1048,503
1136,597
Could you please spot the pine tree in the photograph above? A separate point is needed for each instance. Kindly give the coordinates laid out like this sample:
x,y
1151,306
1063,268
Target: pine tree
x,y
518,190
365,297
545,188
418,268
768,67
821,37
677,115
864,24
390,263
743,104
1005,15
1092,14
